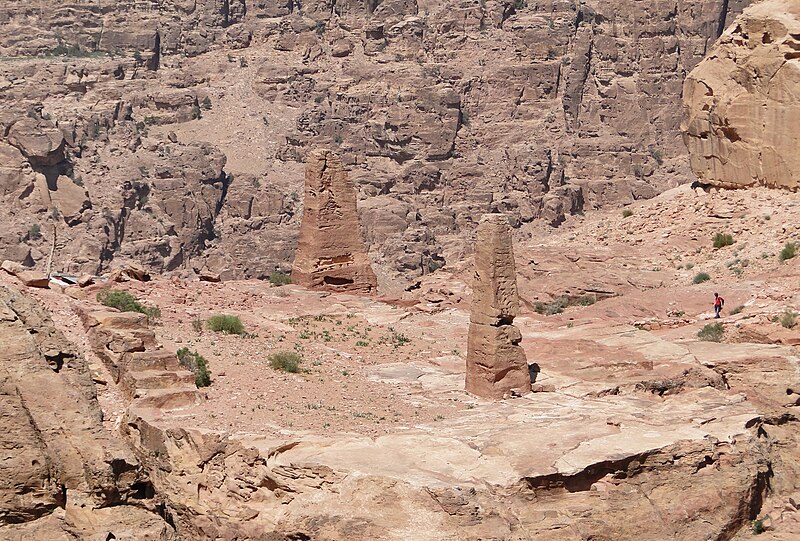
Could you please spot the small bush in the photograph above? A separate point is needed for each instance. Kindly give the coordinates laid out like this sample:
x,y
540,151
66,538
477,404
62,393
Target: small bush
x,y
789,319
35,232
586,300
701,277
656,154
125,302
788,252
287,361
279,278
737,310
759,525
722,239
627,213
194,362
556,306
197,325
713,332
226,324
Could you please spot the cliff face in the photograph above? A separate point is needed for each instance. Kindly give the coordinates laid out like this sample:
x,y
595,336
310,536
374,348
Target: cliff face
x,y
441,112
62,476
742,106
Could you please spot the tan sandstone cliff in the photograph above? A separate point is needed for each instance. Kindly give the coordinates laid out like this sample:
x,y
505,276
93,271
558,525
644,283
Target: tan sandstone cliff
x,y
742,103
441,112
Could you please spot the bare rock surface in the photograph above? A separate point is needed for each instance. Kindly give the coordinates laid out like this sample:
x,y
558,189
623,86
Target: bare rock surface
x,y
741,102
496,364
330,251
638,428
175,137
62,475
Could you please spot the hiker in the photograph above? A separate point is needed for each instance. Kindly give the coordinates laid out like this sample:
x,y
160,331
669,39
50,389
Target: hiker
x,y
719,302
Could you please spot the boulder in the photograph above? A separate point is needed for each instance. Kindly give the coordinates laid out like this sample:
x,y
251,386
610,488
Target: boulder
x,y
39,141
33,278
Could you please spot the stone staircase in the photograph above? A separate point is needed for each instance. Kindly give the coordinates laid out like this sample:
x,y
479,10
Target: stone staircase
x,y
148,375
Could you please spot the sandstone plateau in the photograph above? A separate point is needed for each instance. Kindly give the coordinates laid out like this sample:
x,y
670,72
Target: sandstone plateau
x,y
501,325
638,429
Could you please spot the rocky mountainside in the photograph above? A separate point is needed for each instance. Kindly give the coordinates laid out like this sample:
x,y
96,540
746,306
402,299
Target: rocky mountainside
x,y
173,133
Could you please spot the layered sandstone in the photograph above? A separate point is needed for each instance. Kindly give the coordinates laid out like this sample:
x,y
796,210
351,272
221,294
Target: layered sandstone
x,y
62,476
496,363
330,251
441,113
742,103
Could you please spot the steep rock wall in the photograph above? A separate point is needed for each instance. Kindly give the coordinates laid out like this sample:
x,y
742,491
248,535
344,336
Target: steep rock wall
x,y
742,103
441,113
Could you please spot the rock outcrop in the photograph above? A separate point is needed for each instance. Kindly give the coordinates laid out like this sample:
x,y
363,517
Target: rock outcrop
x,y
496,363
742,103
331,252
146,373
62,476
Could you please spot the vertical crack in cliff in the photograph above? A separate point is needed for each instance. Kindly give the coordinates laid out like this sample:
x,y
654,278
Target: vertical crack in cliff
x,y
723,16
52,470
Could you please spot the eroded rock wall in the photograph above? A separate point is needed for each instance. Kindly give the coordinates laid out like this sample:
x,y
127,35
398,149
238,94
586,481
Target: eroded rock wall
x,y
536,109
62,476
742,103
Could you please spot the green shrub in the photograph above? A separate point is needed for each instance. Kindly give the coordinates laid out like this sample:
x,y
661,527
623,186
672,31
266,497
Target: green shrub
x,y
197,325
788,252
194,362
556,306
722,239
789,319
226,324
627,213
713,332
585,300
656,154
737,310
35,232
701,277
287,361
759,525
125,302
278,278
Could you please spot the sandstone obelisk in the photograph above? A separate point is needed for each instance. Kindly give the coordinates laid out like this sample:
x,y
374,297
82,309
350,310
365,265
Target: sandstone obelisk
x,y
331,253
496,363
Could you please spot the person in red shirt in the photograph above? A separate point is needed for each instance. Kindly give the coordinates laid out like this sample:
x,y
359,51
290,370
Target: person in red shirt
x,y
719,302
